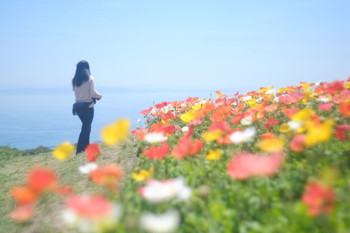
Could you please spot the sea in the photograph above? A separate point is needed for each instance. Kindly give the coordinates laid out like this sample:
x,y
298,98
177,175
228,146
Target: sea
x,y
32,117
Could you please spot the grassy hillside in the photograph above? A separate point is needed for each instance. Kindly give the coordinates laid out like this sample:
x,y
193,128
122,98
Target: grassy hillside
x,y
15,164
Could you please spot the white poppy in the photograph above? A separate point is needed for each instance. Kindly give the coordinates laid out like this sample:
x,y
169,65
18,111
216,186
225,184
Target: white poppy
x,y
185,129
243,136
246,120
295,125
160,223
155,137
87,168
157,191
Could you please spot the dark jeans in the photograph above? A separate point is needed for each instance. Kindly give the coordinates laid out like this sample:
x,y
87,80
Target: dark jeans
x,y
86,118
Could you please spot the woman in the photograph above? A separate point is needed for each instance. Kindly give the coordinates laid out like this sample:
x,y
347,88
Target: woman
x,y
85,98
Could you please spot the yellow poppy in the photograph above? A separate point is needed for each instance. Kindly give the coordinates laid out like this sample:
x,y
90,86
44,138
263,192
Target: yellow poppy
x,y
213,154
63,151
143,174
116,132
317,133
303,115
210,136
271,145
188,116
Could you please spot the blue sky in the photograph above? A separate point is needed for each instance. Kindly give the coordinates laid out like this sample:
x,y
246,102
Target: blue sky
x,y
183,44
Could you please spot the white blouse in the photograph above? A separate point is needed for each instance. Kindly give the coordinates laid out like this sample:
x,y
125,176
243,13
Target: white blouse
x,y
86,91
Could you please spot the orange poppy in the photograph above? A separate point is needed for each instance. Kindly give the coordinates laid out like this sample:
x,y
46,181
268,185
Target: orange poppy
x,y
23,195
108,175
344,108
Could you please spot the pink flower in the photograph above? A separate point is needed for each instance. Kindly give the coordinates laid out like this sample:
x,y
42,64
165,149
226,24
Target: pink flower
x,y
23,212
223,126
140,133
146,111
297,144
91,214
161,105
245,165
326,106
291,98
89,207
343,96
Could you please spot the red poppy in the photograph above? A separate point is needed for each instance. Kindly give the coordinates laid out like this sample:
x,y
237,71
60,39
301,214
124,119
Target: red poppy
x,y
245,165
343,132
271,121
187,146
93,151
158,152
163,128
334,87
41,179
169,116
319,198
196,147
237,118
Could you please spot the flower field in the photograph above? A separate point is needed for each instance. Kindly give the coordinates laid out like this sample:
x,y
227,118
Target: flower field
x,y
265,161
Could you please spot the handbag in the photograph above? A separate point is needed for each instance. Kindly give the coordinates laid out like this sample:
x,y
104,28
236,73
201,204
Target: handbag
x,y
80,107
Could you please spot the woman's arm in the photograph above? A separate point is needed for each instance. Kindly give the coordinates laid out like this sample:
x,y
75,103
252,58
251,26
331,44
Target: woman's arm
x,y
94,93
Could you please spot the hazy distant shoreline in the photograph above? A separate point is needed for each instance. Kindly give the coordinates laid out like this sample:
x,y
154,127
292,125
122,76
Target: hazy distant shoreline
x,y
33,117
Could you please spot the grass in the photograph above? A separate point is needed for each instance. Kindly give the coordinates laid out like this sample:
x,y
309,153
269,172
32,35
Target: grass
x,y
15,164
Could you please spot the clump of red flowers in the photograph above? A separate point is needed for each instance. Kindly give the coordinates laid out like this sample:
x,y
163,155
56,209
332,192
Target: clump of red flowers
x,y
39,181
319,198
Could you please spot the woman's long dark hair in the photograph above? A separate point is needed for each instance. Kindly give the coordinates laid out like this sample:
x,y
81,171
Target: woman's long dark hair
x,y
82,73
